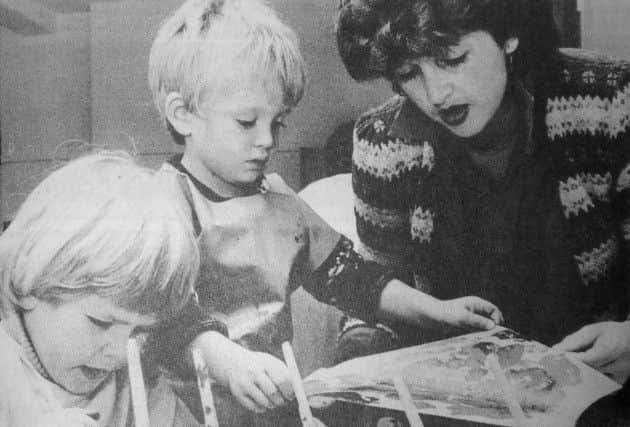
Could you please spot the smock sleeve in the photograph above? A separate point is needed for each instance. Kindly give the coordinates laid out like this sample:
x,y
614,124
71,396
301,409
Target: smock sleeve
x,y
167,347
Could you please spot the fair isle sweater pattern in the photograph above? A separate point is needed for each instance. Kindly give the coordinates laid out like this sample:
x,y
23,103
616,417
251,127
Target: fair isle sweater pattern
x,y
583,117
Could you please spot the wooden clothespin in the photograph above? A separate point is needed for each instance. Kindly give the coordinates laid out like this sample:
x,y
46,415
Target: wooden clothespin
x,y
136,381
515,408
296,380
204,384
407,402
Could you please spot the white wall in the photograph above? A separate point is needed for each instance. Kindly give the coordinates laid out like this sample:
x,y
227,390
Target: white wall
x,y
44,105
87,82
606,26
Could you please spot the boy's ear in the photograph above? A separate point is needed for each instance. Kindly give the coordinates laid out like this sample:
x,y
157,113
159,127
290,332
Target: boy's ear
x,y
27,303
177,114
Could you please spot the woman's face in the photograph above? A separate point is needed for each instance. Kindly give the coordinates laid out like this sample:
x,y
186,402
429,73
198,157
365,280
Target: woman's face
x,y
463,90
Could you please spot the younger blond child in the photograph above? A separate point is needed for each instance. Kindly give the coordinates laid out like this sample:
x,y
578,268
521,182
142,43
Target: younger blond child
x,y
225,75
95,255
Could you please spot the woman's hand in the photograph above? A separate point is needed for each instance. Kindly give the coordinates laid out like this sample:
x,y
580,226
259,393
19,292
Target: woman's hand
x,y
257,380
605,346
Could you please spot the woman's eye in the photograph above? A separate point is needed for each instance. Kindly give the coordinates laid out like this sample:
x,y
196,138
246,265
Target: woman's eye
x,y
450,62
407,74
103,324
246,124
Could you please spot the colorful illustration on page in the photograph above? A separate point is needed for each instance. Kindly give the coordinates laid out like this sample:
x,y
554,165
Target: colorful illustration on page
x,y
449,378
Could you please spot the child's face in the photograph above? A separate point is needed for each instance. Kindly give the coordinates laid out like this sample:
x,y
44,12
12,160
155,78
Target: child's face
x,y
463,91
82,341
233,134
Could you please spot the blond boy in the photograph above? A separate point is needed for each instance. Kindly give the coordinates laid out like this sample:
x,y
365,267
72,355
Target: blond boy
x,y
225,76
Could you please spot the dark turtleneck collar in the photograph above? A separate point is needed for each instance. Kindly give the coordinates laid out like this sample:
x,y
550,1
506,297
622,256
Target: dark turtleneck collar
x,y
207,192
411,122
510,127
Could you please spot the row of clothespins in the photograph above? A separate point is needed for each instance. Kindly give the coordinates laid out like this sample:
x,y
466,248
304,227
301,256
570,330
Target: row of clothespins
x,y
204,383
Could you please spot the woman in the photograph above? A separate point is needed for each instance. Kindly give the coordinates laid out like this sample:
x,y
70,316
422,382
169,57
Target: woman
x,y
501,170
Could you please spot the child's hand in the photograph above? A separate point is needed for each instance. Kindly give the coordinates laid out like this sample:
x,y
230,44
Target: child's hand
x,y
404,303
70,417
259,381
469,312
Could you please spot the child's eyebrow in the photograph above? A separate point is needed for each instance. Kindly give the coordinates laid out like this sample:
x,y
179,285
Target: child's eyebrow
x,y
115,319
283,111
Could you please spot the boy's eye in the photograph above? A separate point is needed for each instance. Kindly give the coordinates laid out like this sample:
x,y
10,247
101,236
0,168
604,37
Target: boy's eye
x,y
450,62
246,124
103,324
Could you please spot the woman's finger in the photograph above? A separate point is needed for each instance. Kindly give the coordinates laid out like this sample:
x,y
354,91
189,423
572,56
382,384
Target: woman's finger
x,y
580,340
596,356
618,370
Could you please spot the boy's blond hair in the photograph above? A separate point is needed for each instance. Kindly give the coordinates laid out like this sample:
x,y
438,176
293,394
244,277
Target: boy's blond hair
x,y
100,225
209,43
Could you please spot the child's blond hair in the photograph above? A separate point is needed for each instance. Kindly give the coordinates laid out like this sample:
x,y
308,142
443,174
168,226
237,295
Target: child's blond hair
x,y
209,43
100,225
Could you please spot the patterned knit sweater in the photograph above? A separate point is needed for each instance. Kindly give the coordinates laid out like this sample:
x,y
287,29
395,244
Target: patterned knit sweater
x,y
582,119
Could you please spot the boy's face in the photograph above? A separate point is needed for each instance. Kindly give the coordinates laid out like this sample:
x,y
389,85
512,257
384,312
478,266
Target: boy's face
x,y
81,342
233,134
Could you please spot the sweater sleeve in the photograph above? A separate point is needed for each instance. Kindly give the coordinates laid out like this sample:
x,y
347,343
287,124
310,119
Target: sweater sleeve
x,y
386,170
349,282
622,187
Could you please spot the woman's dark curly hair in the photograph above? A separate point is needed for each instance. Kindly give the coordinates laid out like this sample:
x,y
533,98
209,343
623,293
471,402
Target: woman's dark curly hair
x,y
376,37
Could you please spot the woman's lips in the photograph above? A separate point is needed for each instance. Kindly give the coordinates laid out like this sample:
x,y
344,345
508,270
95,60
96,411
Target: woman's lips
x,y
455,115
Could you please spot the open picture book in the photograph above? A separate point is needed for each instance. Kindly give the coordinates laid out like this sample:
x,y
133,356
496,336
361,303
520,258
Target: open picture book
x,y
451,378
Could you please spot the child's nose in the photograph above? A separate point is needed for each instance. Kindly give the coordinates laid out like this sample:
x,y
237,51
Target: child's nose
x,y
265,139
115,350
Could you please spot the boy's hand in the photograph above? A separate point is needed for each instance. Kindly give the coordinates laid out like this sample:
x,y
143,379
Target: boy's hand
x,y
404,303
259,381
469,312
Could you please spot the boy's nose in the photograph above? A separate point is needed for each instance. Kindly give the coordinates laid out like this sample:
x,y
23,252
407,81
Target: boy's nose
x,y
115,350
265,139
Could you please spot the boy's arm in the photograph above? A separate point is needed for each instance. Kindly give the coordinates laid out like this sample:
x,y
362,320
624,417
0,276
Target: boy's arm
x,y
169,346
366,290
349,282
